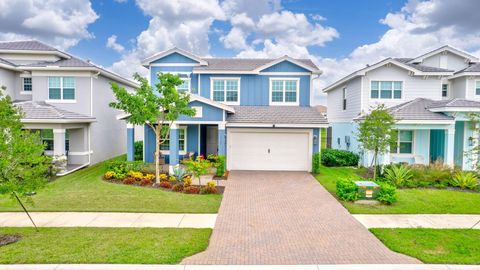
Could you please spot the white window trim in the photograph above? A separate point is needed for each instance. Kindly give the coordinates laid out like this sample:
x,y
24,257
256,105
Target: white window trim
x,y
23,92
180,152
283,103
475,89
225,90
61,100
189,90
344,98
448,90
379,91
397,154
189,77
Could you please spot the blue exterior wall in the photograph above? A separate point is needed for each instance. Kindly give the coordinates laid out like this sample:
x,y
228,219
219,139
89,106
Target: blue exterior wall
x,y
285,66
193,77
174,58
318,141
209,113
254,89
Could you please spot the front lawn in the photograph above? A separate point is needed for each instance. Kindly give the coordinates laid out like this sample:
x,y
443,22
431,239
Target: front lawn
x,y
449,246
410,201
103,245
85,191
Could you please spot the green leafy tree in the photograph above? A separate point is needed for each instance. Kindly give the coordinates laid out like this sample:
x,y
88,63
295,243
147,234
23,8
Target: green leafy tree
x,y
157,107
376,133
23,167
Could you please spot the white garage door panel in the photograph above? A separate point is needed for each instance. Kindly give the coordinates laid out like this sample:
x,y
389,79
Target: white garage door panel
x,y
263,150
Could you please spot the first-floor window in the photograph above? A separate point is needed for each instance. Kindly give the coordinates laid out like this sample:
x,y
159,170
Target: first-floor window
x,y
46,136
477,88
61,88
444,90
226,90
403,143
182,147
284,91
386,90
27,84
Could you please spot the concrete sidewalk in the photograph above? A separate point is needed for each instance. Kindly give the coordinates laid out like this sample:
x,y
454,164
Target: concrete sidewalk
x,y
238,267
99,219
435,221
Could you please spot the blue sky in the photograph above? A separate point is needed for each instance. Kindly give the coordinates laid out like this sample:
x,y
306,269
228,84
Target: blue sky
x,y
339,36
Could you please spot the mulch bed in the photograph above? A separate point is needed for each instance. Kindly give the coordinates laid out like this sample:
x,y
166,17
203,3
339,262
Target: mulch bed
x,y
6,239
220,189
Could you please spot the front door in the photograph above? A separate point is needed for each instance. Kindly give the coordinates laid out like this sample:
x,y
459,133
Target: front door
x,y
212,140
437,145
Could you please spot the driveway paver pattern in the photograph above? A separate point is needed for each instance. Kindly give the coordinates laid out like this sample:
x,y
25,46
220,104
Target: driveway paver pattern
x,y
288,218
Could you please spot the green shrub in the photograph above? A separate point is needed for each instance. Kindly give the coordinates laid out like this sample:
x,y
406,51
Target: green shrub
x,y
316,159
347,190
432,175
464,180
138,150
398,175
338,158
387,193
123,167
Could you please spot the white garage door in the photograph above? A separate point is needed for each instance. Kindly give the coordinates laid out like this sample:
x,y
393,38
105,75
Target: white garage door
x,y
269,149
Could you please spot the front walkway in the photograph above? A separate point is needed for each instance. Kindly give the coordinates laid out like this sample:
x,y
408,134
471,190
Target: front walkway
x,y
288,218
433,221
99,219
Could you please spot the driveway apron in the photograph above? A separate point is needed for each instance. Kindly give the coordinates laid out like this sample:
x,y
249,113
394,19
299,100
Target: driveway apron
x,y
288,218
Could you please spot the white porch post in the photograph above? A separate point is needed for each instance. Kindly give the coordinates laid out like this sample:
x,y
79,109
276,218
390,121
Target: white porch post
x,y
59,142
449,146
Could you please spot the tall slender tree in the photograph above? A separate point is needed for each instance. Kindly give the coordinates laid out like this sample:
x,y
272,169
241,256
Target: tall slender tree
x,y
157,107
376,133
23,167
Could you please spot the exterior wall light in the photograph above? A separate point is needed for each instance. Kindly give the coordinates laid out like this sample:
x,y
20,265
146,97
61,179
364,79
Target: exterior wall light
x,y
315,139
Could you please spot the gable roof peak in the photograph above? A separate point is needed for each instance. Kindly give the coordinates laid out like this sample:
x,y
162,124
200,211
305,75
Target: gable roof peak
x,y
147,61
449,48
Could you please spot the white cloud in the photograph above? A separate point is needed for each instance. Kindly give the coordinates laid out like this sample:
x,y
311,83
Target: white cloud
x,y
183,23
59,23
112,44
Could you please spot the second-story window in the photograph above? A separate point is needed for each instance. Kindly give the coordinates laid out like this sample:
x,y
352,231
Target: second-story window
x,y
226,90
27,84
284,91
444,90
61,88
386,90
185,86
477,88
344,94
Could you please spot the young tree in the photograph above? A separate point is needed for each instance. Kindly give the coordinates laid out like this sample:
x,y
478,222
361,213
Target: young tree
x,y
375,133
157,107
23,167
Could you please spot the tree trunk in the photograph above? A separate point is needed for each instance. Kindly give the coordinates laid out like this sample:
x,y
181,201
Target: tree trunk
x,y
375,165
157,154
25,210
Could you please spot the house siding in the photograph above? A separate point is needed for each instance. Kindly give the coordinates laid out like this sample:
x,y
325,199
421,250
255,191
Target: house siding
x,y
285,66
174,58
335,110
447,61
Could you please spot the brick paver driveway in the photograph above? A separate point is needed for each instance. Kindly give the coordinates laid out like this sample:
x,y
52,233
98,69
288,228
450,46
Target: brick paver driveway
x,y
288,218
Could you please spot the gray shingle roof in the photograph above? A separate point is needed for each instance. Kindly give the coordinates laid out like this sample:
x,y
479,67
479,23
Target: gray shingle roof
x,y
32,45
242,64
276,115
72,62
42,110
420,67
474,67
3,61
456,102
417,109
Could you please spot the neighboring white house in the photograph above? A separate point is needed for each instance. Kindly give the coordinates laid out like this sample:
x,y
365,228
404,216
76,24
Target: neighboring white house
x,y
67,99
431,97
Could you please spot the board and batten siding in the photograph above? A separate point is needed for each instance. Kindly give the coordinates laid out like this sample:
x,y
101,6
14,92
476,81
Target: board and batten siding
x,y
447,61
413,86
335,110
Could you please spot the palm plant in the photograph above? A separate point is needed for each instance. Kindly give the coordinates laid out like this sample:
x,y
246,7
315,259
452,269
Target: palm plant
x,y
398,175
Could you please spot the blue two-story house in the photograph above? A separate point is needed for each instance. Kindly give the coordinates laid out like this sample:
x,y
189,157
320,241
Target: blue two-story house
x,y
256,112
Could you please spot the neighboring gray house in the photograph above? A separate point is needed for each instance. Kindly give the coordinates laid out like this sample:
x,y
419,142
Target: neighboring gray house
x,y
67,99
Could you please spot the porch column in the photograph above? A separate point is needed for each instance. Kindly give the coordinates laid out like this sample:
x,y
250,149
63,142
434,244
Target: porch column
x,y
221,139
59,142
130,142
173,145
449,146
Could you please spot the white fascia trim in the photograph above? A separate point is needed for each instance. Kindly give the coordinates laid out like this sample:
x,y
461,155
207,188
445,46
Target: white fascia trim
x,y
455,109
423,122
199,122
276,125
122,116
195,97
159,55
461,74
445,48
174,65
362,72
291,60
2,65
26,93
223,72
285,73
58,121
57,53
